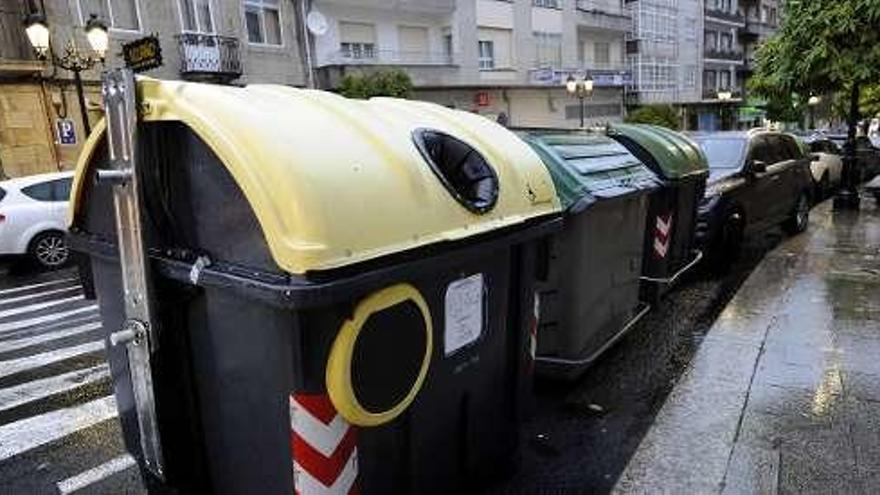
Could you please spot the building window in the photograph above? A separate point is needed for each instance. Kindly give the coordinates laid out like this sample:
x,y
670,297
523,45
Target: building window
x,y
690,76
548,4
726,42
487,54
495,48
358,50
548,48
413,43
118,14
357,40
263,21
196,16
773,16
724,79
709,82
602,53
711,40
447,43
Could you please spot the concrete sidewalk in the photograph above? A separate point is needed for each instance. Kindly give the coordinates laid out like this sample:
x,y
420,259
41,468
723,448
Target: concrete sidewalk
x,y
783,395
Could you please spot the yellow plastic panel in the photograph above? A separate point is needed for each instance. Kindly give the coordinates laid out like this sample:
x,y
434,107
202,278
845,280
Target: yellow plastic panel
x,y
334,181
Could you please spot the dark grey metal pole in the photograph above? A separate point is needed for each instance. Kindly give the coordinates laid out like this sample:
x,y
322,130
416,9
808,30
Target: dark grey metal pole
x,y
847,196
581,98
84,113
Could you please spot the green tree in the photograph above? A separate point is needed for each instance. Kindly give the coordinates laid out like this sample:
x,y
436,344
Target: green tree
x,y
662,115
822,46
395,83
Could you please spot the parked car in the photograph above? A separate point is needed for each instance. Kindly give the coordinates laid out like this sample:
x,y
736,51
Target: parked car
x,y
867,156
757,179
33,218
826,165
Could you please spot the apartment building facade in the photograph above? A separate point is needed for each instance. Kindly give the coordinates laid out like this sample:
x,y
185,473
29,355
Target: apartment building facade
x,y
240,41
492,57
663,50
733,31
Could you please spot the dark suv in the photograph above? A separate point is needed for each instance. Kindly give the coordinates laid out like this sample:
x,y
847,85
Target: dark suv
x,y
757,179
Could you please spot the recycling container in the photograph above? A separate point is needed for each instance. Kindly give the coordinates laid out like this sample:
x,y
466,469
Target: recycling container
x,y
591,294
682,168
341,289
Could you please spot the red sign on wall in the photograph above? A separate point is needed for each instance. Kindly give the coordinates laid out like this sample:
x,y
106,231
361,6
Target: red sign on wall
x,y
482,99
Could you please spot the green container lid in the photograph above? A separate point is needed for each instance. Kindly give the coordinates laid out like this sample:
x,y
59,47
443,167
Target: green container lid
x,y
675,156
587,166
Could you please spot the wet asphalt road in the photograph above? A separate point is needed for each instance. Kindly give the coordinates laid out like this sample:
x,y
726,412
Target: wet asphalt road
x,y
571,445
57,415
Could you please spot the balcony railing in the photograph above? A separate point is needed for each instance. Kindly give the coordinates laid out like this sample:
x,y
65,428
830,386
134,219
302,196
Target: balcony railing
x,y
726,15
209,56
712,94
386,57
594,16
723,55
757,29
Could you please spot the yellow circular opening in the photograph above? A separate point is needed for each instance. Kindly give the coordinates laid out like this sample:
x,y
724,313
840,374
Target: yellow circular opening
x,y
338,374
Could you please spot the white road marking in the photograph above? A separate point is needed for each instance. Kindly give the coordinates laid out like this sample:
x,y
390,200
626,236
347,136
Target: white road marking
x,y
26,434
18,325
73,321
19,299
38,306
96,474
16,290
28,363
42,338
40,389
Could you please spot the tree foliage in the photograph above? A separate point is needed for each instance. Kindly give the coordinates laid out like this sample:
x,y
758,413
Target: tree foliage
x,y
395,83
662,115
821,46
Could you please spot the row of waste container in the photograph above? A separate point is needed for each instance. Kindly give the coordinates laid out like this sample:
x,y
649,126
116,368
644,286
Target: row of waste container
x,y
313,294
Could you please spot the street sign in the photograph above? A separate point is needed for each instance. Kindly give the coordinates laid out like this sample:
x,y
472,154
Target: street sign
x,y
142,54
66,131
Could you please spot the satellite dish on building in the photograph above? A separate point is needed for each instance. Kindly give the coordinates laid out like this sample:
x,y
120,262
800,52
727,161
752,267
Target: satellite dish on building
x,y
317,23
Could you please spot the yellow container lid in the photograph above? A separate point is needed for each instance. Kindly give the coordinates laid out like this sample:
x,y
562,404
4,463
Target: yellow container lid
x,y
334,181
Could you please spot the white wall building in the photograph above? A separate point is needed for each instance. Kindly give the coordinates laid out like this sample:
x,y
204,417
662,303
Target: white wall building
x,y
486,56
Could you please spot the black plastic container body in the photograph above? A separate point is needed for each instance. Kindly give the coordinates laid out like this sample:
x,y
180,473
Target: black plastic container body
x,y
592,287
238,344
669,233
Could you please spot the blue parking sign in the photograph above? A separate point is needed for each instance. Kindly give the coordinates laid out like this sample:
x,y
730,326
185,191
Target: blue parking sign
x,y
66,131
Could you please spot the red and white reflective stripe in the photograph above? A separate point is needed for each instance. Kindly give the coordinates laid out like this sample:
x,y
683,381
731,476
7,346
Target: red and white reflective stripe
x,y
324,447
662,229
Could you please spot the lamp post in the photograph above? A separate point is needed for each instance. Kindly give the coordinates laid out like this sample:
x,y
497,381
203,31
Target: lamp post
x,y
71,59
724,96
812,102
581,88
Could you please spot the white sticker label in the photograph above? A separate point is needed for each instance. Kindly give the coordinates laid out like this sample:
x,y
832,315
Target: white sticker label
x,y
464,312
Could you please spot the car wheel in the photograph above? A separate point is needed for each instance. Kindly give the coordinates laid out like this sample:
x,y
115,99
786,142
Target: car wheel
x,y
800,217
50,250
823,189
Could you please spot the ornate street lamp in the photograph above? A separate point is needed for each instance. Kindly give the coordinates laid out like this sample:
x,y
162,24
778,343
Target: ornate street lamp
x,y
812,102
71,59
581,88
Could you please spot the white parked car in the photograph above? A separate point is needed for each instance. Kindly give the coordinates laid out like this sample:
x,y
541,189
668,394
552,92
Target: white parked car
x,y
826,166
33,217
